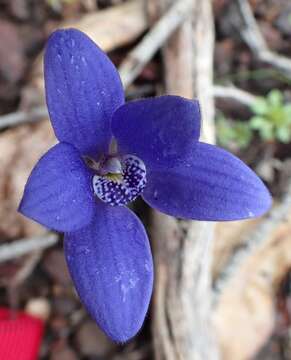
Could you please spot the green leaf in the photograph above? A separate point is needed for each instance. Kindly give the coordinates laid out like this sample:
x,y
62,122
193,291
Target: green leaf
x,y
275,98
287,111
257,122
267,132
233,133
244,134
273,117
260,106
283,134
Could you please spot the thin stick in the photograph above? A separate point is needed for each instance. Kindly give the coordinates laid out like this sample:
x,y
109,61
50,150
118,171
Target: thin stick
x,y
233,93
21,117
22,274
253,241
178,59
183,249
25,246
39,113
132,66
252,35
26,269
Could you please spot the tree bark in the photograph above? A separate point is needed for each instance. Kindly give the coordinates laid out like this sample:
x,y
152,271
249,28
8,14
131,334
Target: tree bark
x,y
183,249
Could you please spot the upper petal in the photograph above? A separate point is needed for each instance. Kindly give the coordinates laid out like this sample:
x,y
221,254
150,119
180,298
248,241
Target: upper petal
x,y
83,89
111,266
58,193
212,185
159,130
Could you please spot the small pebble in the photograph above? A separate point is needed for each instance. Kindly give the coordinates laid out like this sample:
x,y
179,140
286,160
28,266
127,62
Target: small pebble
x,y
39,307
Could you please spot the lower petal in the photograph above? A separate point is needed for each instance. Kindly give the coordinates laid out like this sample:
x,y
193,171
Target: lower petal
x,y
111,265
58,193
213,185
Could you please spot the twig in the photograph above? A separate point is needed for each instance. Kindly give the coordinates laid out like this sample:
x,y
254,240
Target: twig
x,y
135,61
252,35
39,113
22,274
183,249
114,26
253,242
178,54
234,93
25,246
21,117
26,269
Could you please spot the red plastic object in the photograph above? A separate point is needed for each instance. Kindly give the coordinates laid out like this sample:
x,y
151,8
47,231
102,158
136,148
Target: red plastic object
x,y
20,335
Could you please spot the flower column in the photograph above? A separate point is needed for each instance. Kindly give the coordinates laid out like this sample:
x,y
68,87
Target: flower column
x,y
183,249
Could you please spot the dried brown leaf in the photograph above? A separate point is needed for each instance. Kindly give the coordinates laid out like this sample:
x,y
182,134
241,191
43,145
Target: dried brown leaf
x,y
244,317
20,148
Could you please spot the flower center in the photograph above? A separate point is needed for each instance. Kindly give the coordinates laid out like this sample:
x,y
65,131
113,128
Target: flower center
x,y
119,180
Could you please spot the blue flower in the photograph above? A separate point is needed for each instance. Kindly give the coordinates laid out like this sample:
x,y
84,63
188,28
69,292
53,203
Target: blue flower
x,y
110,152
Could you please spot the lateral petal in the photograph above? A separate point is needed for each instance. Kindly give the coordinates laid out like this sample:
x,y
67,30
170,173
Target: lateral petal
x,y
211,185
58,193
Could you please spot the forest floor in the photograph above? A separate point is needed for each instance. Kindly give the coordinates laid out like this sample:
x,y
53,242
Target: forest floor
x,y
47,288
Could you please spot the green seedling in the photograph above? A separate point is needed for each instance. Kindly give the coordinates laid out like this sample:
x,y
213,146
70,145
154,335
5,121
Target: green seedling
x,y
272,117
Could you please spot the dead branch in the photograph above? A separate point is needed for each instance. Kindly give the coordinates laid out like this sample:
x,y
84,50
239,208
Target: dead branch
x,y
253,37
25,246
110,28
26,269
153,40
254,241
183,249
233,93
177,53
22,117
115,26
182,83
21,275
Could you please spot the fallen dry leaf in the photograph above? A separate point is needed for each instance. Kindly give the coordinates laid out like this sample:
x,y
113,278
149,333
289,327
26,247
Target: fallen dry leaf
x,y
12,59
110,28
229,236
244,316
20,148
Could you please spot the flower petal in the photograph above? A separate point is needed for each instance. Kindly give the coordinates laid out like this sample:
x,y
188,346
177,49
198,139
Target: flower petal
x,y
159,130
111,266
58,193
214,185
83,89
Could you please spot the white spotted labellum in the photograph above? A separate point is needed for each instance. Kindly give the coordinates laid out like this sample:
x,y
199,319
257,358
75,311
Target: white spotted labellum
x,y
109,152
120,181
